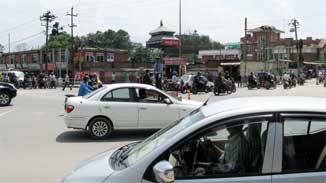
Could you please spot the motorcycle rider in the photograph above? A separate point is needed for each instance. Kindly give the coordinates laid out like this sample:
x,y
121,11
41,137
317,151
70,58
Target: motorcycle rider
x,y
219,82
292,77
252,79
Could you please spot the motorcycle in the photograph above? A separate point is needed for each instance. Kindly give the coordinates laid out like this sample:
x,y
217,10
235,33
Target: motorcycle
x,y
268,84
286,84
254,83
301,81
200,86
225,87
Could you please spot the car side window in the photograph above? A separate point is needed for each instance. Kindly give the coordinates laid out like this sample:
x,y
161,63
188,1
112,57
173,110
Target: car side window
x,y
304,145
149,96
236,150
118,95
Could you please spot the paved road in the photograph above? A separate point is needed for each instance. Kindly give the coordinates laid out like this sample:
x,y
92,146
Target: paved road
x,y
35,146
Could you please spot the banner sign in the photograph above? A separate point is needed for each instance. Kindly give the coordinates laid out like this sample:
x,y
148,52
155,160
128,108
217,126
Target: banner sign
x,y
175,61
170,42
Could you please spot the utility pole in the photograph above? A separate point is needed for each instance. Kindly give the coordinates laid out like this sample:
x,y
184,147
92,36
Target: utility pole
x,y
294,28
245,49
9,43
72,25
180,53
47,17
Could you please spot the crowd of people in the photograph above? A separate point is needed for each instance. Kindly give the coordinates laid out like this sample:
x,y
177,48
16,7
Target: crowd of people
x,y
30,80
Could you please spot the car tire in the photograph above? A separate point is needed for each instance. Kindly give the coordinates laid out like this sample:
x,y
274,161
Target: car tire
x,y
100,128
5,99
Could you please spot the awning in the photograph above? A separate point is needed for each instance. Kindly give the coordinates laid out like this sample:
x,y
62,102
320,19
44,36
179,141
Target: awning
x,y
314,63
230,64
285,60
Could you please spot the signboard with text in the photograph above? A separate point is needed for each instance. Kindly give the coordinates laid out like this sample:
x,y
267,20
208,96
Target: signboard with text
x,y
175,61
170,42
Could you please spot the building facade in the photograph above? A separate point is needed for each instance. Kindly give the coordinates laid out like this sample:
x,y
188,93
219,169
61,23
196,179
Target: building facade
x,y
264,49
60,59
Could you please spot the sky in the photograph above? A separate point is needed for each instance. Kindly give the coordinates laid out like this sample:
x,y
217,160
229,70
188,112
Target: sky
x,y
222,20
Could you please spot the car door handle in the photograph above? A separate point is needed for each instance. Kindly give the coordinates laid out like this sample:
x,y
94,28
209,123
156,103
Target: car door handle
x,y
143,108
107,107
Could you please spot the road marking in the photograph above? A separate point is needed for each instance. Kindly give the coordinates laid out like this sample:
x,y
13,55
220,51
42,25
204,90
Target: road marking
x,y
4,113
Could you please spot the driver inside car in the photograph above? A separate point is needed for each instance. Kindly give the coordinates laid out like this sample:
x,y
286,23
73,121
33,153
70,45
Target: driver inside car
x,y
234,157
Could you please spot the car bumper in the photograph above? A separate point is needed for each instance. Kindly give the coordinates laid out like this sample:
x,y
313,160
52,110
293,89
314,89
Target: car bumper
x,y
76,122
13,94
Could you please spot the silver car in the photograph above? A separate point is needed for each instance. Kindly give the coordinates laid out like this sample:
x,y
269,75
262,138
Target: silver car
x,y
256,140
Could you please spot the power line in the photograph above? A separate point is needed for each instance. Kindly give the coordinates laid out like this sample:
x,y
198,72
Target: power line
x,y
24,39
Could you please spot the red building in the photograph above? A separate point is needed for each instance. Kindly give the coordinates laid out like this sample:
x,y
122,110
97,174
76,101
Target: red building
x,y
59,59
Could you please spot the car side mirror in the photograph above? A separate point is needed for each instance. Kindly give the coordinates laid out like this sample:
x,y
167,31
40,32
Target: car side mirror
x,y
164,172
168,101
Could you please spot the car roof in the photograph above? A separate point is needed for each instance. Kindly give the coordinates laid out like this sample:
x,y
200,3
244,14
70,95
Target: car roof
x,y
265,104
125,85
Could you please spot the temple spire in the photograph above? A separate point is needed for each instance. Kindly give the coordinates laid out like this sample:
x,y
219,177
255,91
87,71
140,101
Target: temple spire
x,y
161,23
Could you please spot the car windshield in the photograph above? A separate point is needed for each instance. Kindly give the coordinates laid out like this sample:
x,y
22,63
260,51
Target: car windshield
x,y
162,136
94,92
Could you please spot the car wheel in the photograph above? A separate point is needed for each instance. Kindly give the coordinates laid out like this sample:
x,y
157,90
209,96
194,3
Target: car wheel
x,y
100,128
5,99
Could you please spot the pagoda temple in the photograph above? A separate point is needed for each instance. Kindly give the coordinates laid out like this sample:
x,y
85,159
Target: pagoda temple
x,y
162,37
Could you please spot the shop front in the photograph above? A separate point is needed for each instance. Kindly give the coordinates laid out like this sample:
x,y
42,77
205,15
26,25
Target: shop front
x,y
173,64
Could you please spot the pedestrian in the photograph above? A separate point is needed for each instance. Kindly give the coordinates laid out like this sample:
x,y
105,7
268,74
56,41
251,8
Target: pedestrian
x,y
239,81
147,79
67,83
127,80
113,77
84,88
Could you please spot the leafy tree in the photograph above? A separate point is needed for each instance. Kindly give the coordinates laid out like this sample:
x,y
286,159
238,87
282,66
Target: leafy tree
x,y
58,37
192,43
139,53
57,29
108,39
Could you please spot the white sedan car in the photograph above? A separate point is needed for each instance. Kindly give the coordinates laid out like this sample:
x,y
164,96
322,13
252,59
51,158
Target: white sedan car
x,y
124,106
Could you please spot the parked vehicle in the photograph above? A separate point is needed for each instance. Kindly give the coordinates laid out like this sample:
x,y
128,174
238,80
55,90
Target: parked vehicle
x,y
7,93
124,106
277,139
186,83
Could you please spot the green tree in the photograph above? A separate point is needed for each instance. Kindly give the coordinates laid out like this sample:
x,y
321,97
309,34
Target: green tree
x,y
139,53
57,29
58,37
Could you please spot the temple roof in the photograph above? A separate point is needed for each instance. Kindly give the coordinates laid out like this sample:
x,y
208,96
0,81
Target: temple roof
x,y
265,28
161,29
